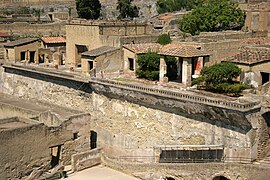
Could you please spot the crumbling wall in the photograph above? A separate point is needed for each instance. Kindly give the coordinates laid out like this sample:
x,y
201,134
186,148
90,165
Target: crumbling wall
x,y
22,150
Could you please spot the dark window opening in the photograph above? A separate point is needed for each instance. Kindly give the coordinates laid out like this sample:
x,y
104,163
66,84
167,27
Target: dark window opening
x,y
220,178
91,65
169,178
265,77
55,155
191,156
23,56
32,56
75,135
50,16
131,64
93,139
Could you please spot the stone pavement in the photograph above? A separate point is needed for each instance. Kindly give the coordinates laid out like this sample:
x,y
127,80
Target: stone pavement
x,y
100,173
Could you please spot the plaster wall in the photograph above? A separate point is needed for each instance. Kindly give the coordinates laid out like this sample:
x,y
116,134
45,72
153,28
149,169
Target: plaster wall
x,y
129,54
27,48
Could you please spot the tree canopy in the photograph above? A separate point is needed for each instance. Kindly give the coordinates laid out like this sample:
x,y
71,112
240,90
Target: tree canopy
x,y
126,9
213,15
88,9
176,5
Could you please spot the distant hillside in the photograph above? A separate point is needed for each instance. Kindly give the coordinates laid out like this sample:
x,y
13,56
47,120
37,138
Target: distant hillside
x,y
147,7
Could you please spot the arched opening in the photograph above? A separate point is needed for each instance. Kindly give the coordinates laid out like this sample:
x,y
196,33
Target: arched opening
x,y
220,178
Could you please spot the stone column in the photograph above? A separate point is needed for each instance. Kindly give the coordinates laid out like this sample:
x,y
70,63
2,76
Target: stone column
x,y
162,70
186,71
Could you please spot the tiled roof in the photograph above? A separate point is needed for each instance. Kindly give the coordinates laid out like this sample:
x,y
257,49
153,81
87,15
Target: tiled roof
x,y
165,17
182,51
20,42
250,57
2,34
99,51
256,41
51,40
143,47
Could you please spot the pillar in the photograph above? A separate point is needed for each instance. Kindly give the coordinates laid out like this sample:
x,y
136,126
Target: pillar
x,y
162,70
186,71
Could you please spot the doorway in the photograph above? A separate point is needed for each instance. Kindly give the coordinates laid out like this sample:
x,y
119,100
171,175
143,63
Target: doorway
x,y
23,56
131,64
265,77
55,155
93,139
91,65
32,56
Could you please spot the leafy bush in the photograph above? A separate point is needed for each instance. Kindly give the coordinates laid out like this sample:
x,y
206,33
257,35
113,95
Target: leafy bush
x,y
148,66
164,39
219,78
220,73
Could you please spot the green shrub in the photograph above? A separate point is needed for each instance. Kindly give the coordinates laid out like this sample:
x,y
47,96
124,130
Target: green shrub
x,y
164,39
152,75
236,88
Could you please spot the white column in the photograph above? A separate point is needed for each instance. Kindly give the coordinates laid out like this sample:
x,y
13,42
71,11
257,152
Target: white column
x,y
162,70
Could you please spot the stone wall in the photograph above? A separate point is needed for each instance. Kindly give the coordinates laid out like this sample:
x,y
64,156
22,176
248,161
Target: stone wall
x,y
27,29
190,171
33,152
125,128
7,110
94,34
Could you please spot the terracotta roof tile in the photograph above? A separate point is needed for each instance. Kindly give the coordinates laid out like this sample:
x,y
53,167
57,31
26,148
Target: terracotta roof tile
x,y
165,17
250,57
52,40
182,51
143,47
2,34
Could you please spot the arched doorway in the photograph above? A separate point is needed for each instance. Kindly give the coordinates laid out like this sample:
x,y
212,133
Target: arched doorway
x,y
220,178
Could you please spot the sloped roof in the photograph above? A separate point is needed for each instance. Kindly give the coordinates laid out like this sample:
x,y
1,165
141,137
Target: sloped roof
x,y
182,51
20,42
52,40
250,57
143,47
100,51
2,34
